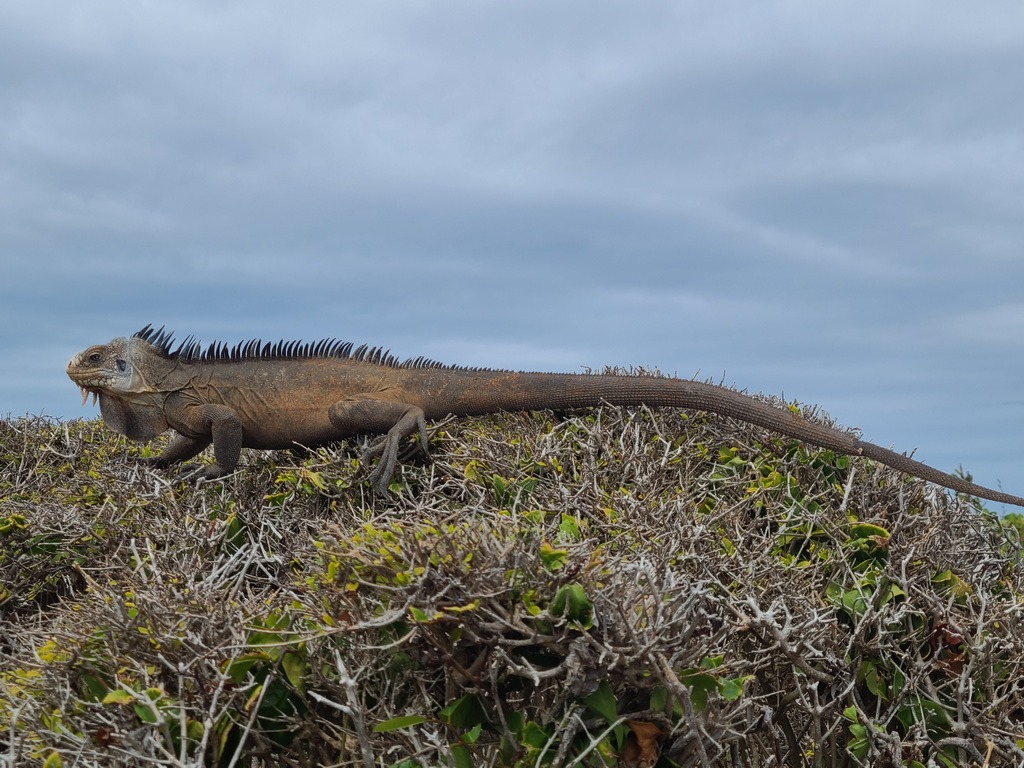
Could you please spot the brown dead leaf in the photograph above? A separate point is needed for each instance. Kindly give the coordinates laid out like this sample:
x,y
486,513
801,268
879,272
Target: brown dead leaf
x,y
643,745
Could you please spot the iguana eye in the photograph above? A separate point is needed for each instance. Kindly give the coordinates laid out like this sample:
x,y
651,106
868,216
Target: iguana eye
x,y
94,357
121,365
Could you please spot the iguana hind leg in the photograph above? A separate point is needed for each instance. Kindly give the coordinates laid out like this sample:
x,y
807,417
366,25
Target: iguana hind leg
x,y
374,414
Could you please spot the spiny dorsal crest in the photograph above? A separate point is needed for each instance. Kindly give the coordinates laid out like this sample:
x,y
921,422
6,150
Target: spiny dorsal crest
x,y
192,351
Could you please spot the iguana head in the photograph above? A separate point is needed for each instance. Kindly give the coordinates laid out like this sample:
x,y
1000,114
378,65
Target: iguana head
x,y
121,374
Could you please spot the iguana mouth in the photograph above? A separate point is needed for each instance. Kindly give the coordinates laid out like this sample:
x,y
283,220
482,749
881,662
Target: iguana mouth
x,y
85,395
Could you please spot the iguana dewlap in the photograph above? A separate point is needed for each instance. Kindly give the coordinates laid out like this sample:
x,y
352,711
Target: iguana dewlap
x,y
272,396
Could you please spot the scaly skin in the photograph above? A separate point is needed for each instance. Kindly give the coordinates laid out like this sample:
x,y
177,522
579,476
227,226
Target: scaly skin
x,y
273,397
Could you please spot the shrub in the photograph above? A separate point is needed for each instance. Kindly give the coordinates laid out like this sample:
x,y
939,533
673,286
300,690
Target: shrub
x,y
621,587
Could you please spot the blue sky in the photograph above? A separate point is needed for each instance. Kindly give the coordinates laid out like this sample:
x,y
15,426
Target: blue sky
x,y
816,200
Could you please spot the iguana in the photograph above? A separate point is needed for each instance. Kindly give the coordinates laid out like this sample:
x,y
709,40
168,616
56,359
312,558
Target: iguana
x,y
273,396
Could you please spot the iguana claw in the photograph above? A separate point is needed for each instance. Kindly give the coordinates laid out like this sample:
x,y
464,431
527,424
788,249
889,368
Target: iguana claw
x,y
194,473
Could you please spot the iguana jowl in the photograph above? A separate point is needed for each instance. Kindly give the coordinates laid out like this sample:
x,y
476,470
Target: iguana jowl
x,y
274,396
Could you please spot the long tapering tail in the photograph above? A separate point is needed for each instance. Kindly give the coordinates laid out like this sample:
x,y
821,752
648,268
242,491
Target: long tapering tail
x,y
492,391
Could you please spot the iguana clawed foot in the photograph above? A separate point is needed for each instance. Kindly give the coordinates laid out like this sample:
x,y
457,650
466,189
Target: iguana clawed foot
x,y
187,473
387,448
195,473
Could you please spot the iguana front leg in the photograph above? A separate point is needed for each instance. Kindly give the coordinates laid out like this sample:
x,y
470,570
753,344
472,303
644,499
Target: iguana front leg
x,y
375,414
198,426
180,449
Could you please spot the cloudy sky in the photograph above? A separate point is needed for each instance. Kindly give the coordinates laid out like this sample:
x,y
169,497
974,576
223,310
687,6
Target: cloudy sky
x,y
818,200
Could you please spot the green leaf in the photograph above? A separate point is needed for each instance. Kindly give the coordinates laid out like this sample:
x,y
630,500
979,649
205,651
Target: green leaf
x,y
855,602
397,723
947,583
892,592
732,689
422,617
699,699
465,712
225,731
50,652
552,558
294,665
12,523
873,679
315,478
280,707
535,736
571,601
865,530
659,698
698,679
119,696
53,761
701,684
514,721
234,532
238,667
501,493
461,757
95,688
917,710
899,681
858,745
530,601
602,701
569,528
535,516
470,606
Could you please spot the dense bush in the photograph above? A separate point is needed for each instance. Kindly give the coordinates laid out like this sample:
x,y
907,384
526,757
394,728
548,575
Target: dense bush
x,y
615,588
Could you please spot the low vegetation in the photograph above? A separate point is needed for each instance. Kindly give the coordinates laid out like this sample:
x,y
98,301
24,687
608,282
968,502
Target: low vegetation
x,y
621,587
